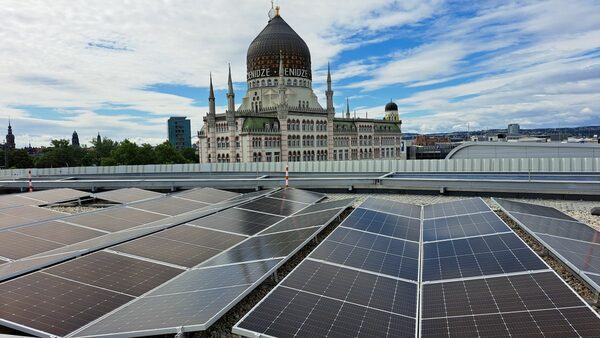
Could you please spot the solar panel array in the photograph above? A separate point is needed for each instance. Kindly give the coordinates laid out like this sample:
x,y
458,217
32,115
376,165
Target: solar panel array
x,y
576,244
132,285
394,270
199,296
29,246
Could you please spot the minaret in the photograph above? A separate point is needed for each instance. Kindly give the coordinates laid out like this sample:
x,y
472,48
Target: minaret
x,y
281,83
329,92
347,108
230,93
211,99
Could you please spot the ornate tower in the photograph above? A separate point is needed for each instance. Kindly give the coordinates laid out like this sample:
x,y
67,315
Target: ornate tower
x,y
347,108
282,111
211,142
10,138
98,139
75,139
329,92
230,93
230,115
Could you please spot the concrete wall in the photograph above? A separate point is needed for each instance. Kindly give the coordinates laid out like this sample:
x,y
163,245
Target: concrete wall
x,y
361,166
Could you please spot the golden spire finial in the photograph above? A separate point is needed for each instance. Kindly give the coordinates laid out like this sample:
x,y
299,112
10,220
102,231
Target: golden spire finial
x,y
277,9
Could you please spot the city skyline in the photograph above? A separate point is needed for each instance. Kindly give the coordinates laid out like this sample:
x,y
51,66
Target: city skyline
x,y
88,67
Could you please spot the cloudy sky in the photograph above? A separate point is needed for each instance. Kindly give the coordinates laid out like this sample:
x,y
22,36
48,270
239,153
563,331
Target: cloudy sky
x,y
122,67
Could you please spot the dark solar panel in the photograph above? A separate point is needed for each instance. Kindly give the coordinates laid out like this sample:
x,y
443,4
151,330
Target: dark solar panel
x,y
263,247
304,221
397,208
274,206
101,221
14,245
327,205
595,279
478,256
522,305
556,227
380,254
356,287
127,195
59,232
199,236
585,256
166,312
167,250
55,305
115,272
56,195
22,215
296,195
384,224
239,221
532,209
292,313
206,195
217,277
455,208
133,215
462,226
169,206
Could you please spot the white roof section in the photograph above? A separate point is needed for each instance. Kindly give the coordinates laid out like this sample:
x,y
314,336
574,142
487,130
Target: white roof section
x,y
523,150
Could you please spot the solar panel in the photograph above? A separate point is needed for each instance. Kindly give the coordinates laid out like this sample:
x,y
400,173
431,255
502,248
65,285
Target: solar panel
x,y
533,209
274,206
574,243
115,219
555,227
263,247
52,196
463,226
169,205
455,208
127,195
344,203
19,216
392,207
521,305
293,313
166,250
384,224
206,195
59,232
15,245
297,195
304,221
202,237
366,251
54,305
244,222
9,201
115,272
478,256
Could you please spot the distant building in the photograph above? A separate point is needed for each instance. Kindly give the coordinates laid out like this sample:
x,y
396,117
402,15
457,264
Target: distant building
x,y
423,140
524,150
180,132
75,139
514,129
98,139
10,138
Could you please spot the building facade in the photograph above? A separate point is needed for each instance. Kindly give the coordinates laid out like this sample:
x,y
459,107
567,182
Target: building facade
x,y
514,129
180,132
280,118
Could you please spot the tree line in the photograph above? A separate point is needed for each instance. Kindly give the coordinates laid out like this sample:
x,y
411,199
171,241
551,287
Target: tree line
x,y
105,152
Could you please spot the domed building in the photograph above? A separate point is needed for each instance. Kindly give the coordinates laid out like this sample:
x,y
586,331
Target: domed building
x,y
280,118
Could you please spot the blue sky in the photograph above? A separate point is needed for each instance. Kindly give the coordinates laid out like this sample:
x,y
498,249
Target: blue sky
x,y
122,68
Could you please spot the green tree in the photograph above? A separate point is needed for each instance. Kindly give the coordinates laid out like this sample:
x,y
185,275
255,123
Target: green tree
x,y
126,153
19,158
190,155
60,154
167,154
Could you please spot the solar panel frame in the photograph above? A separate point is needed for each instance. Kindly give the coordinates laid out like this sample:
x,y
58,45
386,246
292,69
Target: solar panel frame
x,y
296,195
206,195
239,221
296,222
59,232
